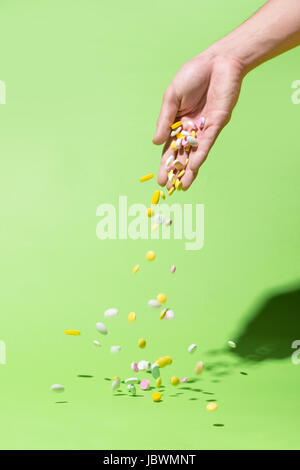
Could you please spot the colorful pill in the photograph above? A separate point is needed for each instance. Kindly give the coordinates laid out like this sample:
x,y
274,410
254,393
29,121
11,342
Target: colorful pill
x,y
132,380
186,162
168,222
155,371
170,315
115,349
176,125
150,255
136,268
178,143
199,368
173,133
162,194
183,380
187,148
158,382
180,175
211,406
192,141
156,396
96,343
145,384
185,133
111,312
154,227
115,383
57,388
155,197
131,389
178,185
150,212
178,165
161,298
175,381
154,303
169,160
141,343
173,145
163,313
72,332
171,178
159,219
144,365
134,367
201,123
146,177
232,344
101,328
193,134
131,317
173,268
171,191
192,348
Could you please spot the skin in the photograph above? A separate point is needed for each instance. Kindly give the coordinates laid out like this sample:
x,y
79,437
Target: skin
x,y
209,84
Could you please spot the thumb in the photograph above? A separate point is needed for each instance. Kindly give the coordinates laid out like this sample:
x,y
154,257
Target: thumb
x,y
167,116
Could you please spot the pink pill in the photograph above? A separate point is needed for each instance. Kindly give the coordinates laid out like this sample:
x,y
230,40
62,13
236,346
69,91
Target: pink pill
x,y
134,366
184,142
184,379
171,167
201,123
168,222
145,384
173,268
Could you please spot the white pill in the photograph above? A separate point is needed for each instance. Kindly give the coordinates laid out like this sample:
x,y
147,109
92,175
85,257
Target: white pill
x,y
111,312
57,388
144,365
232,344
185,133
192,124
169,160
115,349
170,178
192,348
155,371
115,384
178,143
168,222
169,315
132,380
176,131
159,219
101,328
96,343
154,303
192,141
131,389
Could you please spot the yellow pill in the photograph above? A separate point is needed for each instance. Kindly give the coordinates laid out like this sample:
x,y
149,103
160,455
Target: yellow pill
x,y
150,212
146,177
155,197
164,361
158,382
163,313
156,396
178,185
186,162
132,317
171,191
72,332
150,255
193,134
178,165
154,227
199,368
161,298
179,136
180,175
211,406
187,148
169,360
173,145
136,268
162,195
175,381
176,125
141,343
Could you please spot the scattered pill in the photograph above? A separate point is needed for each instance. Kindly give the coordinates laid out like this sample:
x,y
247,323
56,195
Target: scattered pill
x,y
175,131
185,133
155,371
171,178
163,313
162,194
131,389
141,343
176,125
150,255
168,222
146,177
111,312
164,361
158,382
144,365
145,384
159,219
173,268
136,268
178,185
184,379
186,162
169,160
154,227
178,165
192,348
134,367
150,212
132,380
188,148
156,396
131,317
211,406
175,381
191,123
72,332
115,383
96,343
115,349
154,303
193,134
155,197
181,174
199,368
161,298
170,315
101,328
232,344
178,143
173,145
57,388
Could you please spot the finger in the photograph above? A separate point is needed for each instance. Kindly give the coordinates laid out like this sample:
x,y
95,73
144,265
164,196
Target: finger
x,y
206,141
188,178
162,176
167,116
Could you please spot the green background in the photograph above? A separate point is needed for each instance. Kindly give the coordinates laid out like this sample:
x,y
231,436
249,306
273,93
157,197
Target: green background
x,y
84,85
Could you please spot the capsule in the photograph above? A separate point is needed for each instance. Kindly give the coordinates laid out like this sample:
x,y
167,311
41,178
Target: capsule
x,y
136,268
156,396
150,255
146,177
141,343
176,125
131,317
72,332
155,198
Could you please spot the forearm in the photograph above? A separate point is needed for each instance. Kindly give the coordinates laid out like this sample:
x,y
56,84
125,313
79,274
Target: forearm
x,y
272,30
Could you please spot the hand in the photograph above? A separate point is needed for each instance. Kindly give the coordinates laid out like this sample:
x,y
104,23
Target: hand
x,y
207,86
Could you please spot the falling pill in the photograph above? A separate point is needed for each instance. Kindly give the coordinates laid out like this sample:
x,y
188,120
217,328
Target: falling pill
x,y
111,312
150,255
141,343
101,328
192,348
173,268
131,389
199,368
115,349
131,317
154,303
96,343
232,344
57,388
155,371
